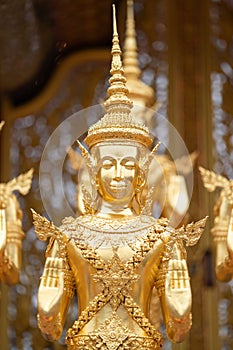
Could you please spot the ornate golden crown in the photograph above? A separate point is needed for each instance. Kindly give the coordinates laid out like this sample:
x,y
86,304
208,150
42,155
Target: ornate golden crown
x,y
118,122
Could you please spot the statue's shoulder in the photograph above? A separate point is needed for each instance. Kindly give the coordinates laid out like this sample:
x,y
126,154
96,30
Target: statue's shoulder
x,y
95,228
69,225
74,226
159,225
67,221
158,228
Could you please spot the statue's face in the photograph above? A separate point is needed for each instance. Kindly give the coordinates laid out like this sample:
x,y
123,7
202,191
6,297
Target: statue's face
x,y
118,172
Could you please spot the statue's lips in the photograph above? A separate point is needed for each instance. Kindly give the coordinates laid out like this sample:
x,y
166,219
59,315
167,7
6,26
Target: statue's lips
x,y
118,187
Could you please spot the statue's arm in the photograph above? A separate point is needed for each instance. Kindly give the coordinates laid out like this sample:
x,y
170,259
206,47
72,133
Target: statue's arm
x,y
11,241
175,296
11,233
177,200
57,282
55,292
223,232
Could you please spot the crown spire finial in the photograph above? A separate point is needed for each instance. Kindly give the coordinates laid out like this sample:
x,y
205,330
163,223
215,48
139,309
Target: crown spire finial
x,y
116,50
131,51
114,21
139,92
118,92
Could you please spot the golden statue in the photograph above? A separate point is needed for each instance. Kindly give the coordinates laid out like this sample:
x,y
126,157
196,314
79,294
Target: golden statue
x,y
116,253
166,175
222,230
11,233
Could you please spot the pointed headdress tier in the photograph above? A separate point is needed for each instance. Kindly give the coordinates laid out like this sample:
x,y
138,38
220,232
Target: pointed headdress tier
x,y
138,90
118,122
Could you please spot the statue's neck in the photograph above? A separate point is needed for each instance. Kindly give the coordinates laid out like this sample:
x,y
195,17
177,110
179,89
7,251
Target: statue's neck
x,y
112,210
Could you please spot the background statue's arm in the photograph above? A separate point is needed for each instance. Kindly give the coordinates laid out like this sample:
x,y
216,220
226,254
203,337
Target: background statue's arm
x,y
55,292
11,233
177,200
222,232
170,190
11,241
175,296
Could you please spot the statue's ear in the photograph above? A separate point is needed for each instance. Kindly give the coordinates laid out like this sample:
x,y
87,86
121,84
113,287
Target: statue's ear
x,y
97,180
147,162
87,156
152,153
141,180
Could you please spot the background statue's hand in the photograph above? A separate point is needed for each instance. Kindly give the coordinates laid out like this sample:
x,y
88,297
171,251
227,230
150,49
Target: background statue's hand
x,y
177,289
51,288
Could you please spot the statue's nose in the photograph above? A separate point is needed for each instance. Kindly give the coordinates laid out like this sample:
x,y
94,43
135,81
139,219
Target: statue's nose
x,y
118,175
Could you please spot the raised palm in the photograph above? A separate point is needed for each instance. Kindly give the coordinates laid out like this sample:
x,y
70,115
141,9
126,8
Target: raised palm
x,y
51,287
177,288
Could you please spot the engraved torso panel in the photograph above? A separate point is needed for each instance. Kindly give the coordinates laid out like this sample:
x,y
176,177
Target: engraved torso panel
x,y
117,268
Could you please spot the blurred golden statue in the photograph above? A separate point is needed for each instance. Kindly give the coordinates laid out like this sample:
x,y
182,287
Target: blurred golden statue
x,y
11,233
116,253
223,223
166,178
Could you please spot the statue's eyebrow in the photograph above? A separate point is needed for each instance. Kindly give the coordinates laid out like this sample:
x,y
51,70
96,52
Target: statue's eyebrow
x,y
106,158
129,159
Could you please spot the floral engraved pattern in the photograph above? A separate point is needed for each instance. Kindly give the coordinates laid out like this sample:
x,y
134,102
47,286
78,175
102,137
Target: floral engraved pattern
x,y
117,278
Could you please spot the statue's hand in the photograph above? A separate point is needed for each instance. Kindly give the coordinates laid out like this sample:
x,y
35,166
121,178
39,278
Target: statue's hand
x,y
177,289
51,288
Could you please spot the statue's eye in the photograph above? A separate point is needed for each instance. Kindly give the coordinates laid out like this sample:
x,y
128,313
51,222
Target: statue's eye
x,y
129,165
107,164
